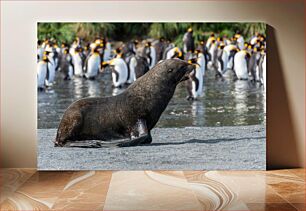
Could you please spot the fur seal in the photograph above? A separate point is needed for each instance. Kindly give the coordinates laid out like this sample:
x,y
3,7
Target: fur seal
x,y
125,119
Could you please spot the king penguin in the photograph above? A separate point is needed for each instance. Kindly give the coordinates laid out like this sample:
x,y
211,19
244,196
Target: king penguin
x,y
151,52
78,59
241,64
107,52
119,71
131,63
195,81
222,59
92,62
201,61
231,50
240,40
51,65
262,68
66,65
42,71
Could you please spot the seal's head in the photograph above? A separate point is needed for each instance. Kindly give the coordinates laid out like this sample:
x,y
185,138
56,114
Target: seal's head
x,y
173,71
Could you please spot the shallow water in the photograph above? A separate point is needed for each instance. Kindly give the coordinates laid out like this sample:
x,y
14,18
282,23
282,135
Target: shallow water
x,y
224,103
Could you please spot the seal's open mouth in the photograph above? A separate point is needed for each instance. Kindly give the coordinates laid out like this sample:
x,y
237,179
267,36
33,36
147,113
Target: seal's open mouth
x,y
189,68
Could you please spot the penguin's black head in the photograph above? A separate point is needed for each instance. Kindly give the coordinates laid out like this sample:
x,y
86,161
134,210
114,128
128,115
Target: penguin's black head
x,y
118,50
250,47
46,53
45,58
79,49
212,34
197,51
148,44
135,42
221,46
66,51
105,64
99,42
64,45
177,53
192,61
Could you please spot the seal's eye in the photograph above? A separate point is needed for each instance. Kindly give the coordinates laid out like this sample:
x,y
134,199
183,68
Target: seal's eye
x,y
170,70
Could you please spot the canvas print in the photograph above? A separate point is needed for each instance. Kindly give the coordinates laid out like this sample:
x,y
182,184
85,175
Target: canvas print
x,y
153,96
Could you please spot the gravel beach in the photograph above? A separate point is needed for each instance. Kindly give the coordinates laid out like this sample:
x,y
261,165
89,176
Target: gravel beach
x,y
190,148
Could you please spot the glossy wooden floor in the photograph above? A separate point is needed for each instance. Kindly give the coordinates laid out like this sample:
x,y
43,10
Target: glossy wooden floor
x,y
26,189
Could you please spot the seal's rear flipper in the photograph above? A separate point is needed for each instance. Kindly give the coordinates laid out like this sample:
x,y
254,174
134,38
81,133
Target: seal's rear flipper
x,y
127,142
96,143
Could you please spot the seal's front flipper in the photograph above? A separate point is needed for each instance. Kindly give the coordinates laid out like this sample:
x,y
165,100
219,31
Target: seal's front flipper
x,y
139,135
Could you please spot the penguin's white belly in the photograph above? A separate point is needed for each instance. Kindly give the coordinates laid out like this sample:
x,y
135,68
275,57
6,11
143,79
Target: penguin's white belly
x,y
257,78
264,73
241,68
40,52
51,67
225,62
93,66
170,53
107,52
77,62
193,90
198,91
253,41
41,74
208,43
229,64
70,71
72,50
201,61
122,71
240,42
153,57
132,66
211,51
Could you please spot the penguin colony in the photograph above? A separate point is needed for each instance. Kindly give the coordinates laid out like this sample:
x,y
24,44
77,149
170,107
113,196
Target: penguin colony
x,y
131,60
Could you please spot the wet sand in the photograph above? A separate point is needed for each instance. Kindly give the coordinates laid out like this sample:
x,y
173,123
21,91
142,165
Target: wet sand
x,y
189,148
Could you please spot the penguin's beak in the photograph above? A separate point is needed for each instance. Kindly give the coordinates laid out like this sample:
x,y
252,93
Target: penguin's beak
x,y
105,64
191,67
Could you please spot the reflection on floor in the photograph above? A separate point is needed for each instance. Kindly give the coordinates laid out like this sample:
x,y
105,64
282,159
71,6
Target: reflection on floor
x,y
26,189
